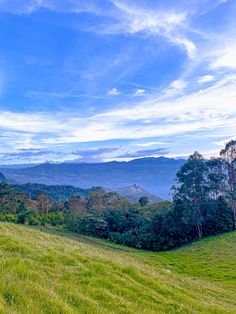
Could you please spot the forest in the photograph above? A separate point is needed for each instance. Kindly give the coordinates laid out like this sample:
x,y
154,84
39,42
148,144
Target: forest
x,y
203,203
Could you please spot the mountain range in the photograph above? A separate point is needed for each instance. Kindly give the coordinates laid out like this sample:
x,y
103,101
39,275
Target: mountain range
x,y
156,175
2,178
134,192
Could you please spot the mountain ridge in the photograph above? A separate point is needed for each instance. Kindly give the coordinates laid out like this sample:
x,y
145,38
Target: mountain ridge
x,y
156,175
134,192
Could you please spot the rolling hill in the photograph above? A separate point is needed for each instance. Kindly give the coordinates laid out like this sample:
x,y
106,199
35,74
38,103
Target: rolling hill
x,y
155,175
134,192
55,192
59,272
65,192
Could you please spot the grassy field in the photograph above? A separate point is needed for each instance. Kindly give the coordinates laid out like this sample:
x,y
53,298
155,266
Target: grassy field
x,y
43,272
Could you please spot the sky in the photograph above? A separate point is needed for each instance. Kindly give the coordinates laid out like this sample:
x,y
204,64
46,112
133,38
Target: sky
x,y
102,80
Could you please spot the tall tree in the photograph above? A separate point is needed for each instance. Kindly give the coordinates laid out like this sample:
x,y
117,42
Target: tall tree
x,y
228,155
44,203
216,178
191,191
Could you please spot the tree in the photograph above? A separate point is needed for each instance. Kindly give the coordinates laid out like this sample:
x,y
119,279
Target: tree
x,y
228,156
191,191
143,201
219,217
77,206
96,200
22,213
44,203
216,178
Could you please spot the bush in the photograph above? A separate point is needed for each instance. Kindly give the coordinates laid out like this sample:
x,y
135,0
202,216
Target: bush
x,y
54,218
8,217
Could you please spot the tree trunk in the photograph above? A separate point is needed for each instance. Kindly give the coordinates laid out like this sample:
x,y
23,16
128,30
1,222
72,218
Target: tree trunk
x,y
199,230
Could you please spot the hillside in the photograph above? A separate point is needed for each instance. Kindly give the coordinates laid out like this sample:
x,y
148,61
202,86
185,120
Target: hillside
x,y
134,192
55,192
65,192
155,175
66,273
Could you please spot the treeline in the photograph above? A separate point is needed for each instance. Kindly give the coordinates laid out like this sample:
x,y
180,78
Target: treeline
x,y
204,203
54,192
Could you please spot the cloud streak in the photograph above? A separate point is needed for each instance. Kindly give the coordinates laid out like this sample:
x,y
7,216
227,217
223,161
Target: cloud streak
x,y
201,110
195,105
145,153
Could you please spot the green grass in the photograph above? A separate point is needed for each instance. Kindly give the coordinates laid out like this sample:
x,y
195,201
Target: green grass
x,y
54,271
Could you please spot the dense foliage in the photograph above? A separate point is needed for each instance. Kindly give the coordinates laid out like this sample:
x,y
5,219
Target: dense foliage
x,y
55,192
204,203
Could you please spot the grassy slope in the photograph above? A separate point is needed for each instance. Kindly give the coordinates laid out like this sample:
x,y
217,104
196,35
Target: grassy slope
x,y
44,273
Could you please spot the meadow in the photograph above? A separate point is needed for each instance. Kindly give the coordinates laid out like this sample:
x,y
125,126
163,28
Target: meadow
x,y
53,271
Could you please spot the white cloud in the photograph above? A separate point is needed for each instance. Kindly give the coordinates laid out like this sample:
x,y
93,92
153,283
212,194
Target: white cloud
x,y
211,111
30,6
29,122
201,110
206,79
113,92
225,58
168,24
139,92
148,144
179,84
206,109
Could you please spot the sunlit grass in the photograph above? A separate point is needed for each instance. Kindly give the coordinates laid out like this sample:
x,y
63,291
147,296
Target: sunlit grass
x,y
45,273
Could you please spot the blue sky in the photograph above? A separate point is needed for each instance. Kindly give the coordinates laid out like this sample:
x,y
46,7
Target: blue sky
x,y
101,80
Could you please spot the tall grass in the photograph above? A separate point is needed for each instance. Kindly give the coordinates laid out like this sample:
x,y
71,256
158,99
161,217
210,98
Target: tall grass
x,y
45,273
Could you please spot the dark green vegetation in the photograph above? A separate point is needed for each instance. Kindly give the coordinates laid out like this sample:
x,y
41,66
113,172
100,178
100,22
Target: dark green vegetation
x,y
55,192
204,203
46,273
155,175
65,192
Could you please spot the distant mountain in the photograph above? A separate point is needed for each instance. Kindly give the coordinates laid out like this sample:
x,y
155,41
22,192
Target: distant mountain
x,y
155,175
2,177
19,166
134,192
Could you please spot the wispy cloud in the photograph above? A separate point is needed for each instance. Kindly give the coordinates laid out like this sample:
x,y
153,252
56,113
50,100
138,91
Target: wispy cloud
x,y
206,79
190,102
113,92
225,58
148,144
179,84
30,6
145,153
200,110
95,154
140,91
135,19
127,18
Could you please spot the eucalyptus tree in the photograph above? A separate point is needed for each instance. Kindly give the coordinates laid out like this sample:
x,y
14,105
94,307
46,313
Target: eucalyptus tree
x,y
216,178
191,191
228,156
